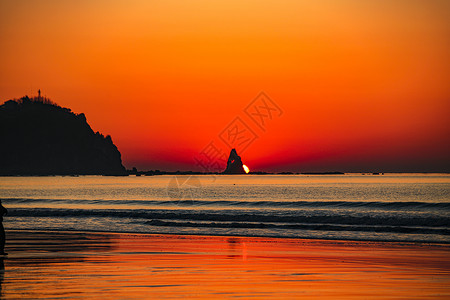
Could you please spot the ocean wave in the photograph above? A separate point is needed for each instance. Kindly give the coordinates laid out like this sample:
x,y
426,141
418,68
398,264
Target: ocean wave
x,y
298,216
410,205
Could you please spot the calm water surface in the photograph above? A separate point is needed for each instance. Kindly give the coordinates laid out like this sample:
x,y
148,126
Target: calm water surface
x,y
391,207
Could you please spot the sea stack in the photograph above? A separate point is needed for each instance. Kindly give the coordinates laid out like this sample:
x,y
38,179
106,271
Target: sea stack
x,y
234,164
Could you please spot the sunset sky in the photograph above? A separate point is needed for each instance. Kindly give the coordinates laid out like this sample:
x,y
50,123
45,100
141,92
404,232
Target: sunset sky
x,y
354,86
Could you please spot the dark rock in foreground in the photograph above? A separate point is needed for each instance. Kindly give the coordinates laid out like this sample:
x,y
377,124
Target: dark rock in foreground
x,y
39,137
234,164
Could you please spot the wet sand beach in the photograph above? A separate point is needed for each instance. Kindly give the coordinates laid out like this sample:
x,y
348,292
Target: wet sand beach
x,y
107,265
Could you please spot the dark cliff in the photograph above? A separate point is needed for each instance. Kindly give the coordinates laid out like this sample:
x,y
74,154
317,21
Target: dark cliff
x,y
39,137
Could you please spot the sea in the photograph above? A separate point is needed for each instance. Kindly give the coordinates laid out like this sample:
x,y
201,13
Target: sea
x,y
360,207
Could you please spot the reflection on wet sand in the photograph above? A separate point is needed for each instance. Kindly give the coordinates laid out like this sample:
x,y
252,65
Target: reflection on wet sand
x,y
36,248
70,265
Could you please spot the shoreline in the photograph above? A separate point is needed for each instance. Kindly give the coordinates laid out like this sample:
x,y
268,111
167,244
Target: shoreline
x,y
290,240
400,242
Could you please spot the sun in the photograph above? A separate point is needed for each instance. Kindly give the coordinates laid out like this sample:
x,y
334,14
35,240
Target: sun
x,y
246,169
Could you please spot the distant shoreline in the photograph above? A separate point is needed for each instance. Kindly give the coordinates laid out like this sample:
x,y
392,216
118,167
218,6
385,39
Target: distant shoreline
x,y
175,173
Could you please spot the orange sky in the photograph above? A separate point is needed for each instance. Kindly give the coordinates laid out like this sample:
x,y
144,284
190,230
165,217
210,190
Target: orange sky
x,y
363,85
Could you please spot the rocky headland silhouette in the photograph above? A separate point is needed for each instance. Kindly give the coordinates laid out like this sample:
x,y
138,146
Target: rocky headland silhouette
x,y
39,137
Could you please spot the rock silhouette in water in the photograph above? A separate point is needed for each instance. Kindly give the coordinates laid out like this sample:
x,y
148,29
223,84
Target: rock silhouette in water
x,y
234,164
39,137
